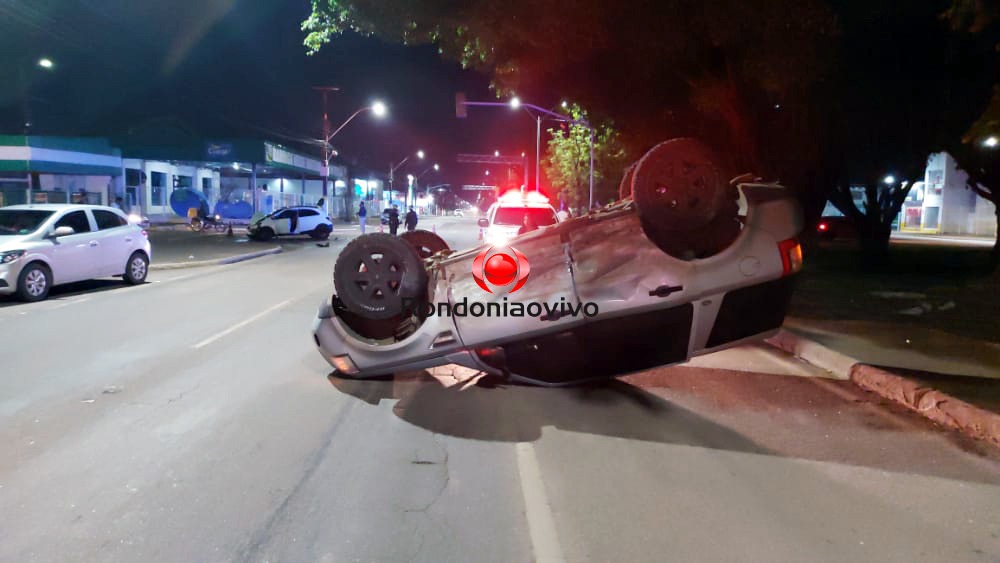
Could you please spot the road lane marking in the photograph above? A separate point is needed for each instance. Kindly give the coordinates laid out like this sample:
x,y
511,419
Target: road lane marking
x,y
241,324
541,524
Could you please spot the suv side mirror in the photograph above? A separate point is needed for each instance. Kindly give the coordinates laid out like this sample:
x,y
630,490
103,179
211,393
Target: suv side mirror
x,y
62,231
484,222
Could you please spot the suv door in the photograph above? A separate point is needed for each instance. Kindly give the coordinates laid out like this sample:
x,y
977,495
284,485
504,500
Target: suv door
x,y
309,219
283,222
114,237
73,256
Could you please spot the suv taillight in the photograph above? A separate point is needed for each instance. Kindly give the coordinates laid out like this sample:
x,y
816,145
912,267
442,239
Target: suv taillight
x,y
791,256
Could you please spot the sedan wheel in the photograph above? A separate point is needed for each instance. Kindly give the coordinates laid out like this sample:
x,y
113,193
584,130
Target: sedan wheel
x,y
34,283
138,268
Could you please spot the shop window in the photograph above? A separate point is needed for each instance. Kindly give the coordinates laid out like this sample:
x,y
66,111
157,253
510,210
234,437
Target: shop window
x,y
133,177
158,185
932,215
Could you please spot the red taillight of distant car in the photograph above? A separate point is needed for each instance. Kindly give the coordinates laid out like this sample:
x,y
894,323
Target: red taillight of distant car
x,y
823,227
791,256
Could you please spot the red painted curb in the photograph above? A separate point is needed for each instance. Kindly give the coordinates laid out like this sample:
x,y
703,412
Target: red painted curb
x,y
930,403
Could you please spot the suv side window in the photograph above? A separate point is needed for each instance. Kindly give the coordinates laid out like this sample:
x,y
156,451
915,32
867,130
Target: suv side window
x,y
76,220
108,219
286,214
308,213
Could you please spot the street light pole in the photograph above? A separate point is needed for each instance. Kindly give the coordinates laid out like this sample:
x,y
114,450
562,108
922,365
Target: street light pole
x,y
516,103
326,144
538,153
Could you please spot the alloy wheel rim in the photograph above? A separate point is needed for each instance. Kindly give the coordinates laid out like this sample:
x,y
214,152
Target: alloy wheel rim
x,y
35,282
138,268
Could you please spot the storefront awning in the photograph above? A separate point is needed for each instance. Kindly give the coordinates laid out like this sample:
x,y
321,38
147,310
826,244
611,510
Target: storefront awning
x,y
59,155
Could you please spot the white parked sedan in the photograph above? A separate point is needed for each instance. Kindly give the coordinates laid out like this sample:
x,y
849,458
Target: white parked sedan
x,y
46,245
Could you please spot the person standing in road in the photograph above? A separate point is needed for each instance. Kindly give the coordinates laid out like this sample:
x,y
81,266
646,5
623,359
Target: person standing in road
x,y
362,214
411,220
393,220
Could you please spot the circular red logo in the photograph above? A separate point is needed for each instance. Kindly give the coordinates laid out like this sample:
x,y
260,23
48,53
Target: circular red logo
x,y
501,269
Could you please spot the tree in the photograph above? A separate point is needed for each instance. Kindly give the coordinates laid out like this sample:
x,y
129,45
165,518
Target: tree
x,y
567,160
740,74
906,87
974,153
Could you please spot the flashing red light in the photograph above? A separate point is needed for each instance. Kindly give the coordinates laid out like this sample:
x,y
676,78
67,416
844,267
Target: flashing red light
x,y
823,226
517,196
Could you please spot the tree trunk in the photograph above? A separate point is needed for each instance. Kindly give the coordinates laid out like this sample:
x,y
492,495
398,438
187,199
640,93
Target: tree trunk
x,y
874,241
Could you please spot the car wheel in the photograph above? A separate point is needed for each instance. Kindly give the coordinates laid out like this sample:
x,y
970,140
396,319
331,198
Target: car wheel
x,y
137,269
686,207
34,282
424,242
321,232
378,275
265,234
625,188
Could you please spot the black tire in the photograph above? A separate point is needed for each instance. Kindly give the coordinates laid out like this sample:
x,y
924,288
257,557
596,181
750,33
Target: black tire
x,y
679,184
321,232
136,269
426,243
220,227
265,234
625,188
34,282
686,207
376,274
197,225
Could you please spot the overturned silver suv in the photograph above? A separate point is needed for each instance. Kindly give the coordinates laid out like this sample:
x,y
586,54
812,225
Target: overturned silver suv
x,y
685,264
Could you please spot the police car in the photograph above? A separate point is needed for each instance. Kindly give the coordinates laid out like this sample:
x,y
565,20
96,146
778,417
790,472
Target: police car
x,y
505,217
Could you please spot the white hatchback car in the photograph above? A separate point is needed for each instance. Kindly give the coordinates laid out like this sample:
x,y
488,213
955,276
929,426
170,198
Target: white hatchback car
x,y
46,245
298,220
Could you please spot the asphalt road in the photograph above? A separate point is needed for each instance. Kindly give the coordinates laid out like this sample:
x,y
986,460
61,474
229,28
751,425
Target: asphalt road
x,y
191,419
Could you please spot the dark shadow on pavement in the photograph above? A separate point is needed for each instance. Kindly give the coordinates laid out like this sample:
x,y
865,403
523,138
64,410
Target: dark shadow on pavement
x,y
71,290
516,413
782,416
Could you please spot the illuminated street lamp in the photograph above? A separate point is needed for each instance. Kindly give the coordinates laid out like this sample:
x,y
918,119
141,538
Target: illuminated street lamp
x,y
496,153
991,142
46,63
889,179
515,102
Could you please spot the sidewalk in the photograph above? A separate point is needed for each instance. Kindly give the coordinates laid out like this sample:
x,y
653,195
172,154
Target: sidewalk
x,y
184,248
950,379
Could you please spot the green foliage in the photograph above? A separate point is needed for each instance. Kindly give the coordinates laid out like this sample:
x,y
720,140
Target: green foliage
x,y
567,160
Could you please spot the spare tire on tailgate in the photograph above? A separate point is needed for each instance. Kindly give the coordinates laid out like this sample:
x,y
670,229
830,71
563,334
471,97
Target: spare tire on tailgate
x,y
686,206
376,275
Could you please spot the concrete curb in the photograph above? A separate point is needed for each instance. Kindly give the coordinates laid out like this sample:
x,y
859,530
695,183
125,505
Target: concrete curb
x,y
217,261
926,401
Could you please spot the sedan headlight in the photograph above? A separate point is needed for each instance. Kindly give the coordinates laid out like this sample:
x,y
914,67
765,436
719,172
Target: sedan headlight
x,y
10,256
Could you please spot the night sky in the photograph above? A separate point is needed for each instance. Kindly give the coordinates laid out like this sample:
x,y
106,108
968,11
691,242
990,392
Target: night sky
x,y
237,68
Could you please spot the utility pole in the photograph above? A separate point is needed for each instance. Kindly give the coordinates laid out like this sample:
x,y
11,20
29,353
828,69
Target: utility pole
x,y
326,143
